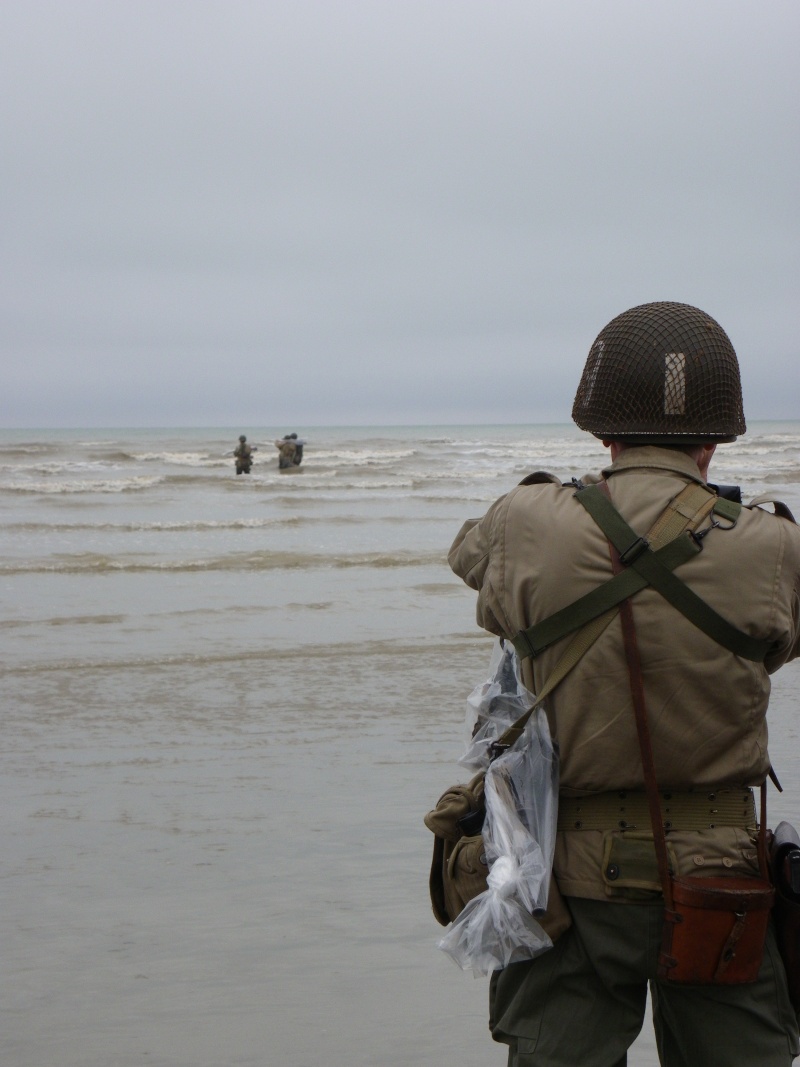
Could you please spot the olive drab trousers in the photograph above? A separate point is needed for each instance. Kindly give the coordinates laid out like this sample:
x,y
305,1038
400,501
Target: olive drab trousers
x,y
582,1003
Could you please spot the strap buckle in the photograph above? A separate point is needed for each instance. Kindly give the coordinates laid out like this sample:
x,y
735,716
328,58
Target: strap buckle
x,y
633,551
498,748
524,646
698,535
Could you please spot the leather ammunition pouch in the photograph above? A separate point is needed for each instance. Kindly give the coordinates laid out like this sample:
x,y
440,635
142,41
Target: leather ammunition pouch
x,y
714,930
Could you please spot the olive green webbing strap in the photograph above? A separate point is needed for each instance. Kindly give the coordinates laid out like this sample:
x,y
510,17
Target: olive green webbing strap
x,y
686,511
591,614
636,554
688,508
579,644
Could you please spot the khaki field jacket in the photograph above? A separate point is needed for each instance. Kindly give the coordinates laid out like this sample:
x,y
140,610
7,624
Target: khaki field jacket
x,y
537,550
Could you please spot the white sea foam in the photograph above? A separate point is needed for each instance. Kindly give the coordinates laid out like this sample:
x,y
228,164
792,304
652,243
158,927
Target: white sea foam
x,y
99,485
181,459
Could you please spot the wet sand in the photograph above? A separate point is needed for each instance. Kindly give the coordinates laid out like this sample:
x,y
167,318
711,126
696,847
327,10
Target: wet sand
x,y
201,871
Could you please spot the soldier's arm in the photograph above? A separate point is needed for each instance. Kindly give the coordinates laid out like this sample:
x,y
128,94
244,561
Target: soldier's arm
x,y
470,557
786,617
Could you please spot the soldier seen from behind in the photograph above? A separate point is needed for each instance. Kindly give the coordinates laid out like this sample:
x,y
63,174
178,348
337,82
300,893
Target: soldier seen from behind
x,y
677,677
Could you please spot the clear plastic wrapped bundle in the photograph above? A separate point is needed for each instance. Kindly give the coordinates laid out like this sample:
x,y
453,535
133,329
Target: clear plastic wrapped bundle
x,y
494,706
499,927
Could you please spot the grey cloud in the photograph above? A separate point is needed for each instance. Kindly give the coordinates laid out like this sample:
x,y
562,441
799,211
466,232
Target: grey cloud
x,y
382,207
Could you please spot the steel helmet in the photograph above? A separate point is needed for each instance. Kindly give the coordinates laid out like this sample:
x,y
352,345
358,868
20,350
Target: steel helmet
x,y
661,373
242,437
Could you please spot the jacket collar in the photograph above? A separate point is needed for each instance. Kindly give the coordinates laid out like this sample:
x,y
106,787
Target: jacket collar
x,y
654,458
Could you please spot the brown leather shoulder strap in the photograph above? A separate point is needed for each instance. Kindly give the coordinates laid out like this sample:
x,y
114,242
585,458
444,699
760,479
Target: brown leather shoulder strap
x,y
645,745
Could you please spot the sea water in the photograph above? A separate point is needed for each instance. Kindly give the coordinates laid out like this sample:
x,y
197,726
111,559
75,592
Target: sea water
x,y
227,703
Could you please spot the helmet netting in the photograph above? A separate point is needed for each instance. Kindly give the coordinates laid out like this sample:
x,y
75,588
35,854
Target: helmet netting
x,y
661,370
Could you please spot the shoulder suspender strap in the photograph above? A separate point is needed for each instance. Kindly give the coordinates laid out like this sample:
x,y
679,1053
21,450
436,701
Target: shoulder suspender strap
x,y
609,595
686,510
727,509
636,554
580,643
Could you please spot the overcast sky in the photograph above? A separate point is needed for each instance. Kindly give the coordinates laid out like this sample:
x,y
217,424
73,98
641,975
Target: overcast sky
x,y
223,212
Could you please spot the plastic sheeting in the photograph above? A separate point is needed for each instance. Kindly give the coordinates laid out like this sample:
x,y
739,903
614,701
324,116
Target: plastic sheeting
x,y
498,927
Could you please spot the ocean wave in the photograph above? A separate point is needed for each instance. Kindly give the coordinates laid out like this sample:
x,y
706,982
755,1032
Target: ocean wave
x,y
336,485
99,563
101,485
788,476
359,457
18,451
182,459
213,525
268,481
394,650
457,496
114,456
63,620
424,481
343,468
54,467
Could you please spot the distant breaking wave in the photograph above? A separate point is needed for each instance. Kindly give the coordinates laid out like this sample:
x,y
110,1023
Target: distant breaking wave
x,y
212,525
102,485
433,651
95,563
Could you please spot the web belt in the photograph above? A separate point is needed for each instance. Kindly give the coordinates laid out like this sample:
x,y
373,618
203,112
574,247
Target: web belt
x,y
627,809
